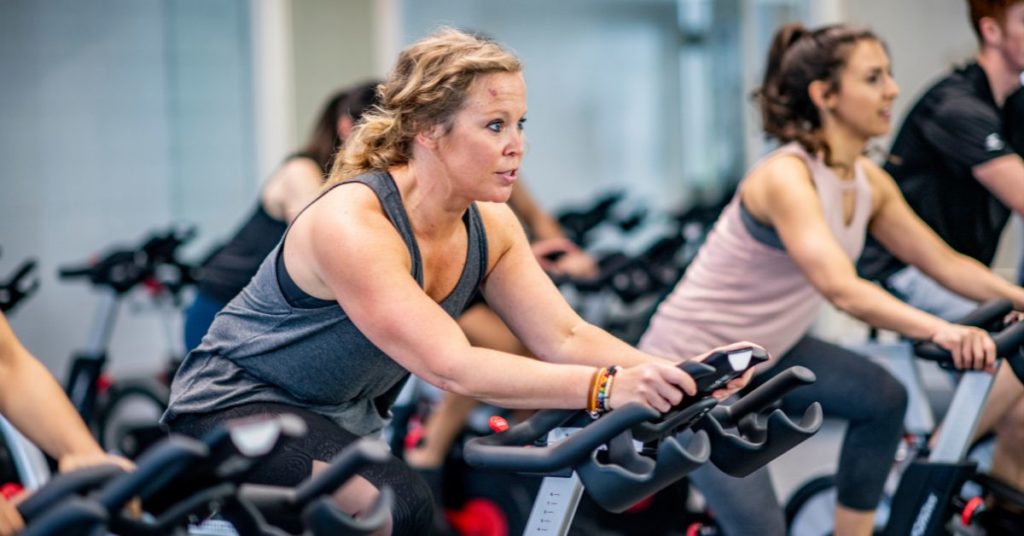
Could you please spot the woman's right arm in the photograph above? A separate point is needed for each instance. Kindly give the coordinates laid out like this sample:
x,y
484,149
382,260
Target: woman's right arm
x,y
783,194
355,254
36,405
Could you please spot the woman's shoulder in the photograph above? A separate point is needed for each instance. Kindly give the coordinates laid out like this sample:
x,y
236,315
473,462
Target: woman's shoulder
x,y
351,198
780,169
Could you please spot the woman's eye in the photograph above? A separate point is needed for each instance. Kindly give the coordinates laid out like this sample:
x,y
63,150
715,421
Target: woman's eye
x,y
496,126
521,124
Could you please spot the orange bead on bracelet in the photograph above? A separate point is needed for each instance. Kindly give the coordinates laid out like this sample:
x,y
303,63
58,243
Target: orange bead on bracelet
x,y
600,391
592,391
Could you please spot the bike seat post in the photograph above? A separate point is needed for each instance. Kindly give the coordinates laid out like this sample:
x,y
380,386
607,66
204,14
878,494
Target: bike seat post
x,y
103,325
901,362
962,418
555,505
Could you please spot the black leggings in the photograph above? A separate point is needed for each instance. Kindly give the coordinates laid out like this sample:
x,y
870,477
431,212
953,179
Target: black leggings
x,y
849,386
412,511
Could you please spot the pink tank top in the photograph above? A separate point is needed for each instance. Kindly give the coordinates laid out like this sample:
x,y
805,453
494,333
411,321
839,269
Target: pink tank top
x,y
740,288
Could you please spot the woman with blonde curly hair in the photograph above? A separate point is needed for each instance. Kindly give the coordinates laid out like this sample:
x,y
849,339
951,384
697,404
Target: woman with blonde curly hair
x,y
364,287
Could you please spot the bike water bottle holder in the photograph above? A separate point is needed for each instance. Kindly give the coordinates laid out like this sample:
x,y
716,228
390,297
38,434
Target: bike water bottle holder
x,y
626,476
758,442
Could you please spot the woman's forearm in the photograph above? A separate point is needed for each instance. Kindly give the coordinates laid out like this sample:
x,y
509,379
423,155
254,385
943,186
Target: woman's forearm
x,y
587,344
513,381
868,303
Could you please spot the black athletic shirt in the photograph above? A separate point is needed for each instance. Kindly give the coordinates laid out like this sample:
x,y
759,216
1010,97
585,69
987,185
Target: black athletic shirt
x,y
229,268
955,126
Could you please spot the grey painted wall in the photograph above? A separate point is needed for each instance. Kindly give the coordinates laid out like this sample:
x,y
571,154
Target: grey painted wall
x,y
333,47
602,79
116,117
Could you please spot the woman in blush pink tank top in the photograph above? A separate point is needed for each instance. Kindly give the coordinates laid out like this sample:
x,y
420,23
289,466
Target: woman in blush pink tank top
x,y
743,282
788,242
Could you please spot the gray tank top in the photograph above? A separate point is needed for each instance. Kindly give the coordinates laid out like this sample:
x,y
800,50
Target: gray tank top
x,y
263,348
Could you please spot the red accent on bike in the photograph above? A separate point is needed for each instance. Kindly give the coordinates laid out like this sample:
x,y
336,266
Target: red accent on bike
x,y
644,503
414,436
479,517
694,529
970,509
153,286
10,489
104,383
497,423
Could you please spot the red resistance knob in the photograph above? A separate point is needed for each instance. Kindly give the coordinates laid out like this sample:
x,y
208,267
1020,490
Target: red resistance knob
x,y
497,423
10,489
972,507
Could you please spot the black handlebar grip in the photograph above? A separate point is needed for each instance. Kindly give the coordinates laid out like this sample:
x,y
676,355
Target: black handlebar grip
x,y
498,452
64,485
987,314
74,272
1008,346
159,465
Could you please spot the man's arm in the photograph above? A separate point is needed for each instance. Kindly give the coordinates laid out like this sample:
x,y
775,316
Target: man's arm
x,y
1004,177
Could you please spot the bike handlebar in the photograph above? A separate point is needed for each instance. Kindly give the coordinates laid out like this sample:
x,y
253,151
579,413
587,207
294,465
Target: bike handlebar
x,y
19,286
124,269
503,451
66,485
1009,339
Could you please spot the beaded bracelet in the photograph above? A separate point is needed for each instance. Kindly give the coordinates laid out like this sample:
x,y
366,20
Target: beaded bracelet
x,y
604,396
595,381
600,391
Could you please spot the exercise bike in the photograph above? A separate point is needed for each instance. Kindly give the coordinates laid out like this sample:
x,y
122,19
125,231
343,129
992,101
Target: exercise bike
x,y
123,413
633,452
928,495
185,485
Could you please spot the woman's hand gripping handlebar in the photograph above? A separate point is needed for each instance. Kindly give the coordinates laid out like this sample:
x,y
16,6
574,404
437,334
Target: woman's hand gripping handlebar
x,y
504,451
665,386
1007,338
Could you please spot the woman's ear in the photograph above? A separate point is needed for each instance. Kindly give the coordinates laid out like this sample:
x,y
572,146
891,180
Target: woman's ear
x,y
344,127
429,138
821,94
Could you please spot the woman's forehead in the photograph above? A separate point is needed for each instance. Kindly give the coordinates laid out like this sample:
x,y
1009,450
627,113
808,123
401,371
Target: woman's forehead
x,y
496,90
867,54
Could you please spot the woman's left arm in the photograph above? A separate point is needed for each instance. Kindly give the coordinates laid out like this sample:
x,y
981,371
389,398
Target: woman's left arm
x,y
526,299
906,236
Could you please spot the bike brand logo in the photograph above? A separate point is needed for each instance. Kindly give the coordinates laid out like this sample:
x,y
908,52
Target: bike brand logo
x,y
921,523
